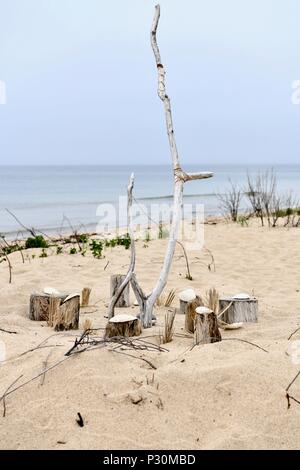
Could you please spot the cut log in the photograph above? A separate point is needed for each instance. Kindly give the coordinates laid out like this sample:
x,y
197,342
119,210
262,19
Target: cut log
x,y
60,311
123,325
185,296
85,296
238,310
39,306
67,317
206,327
190,312
115,282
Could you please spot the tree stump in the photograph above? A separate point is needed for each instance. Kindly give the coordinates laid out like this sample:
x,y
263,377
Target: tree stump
x,y
123,325
185,296
206,326
190,313
39,305
239,310
115,282
85,296
60,311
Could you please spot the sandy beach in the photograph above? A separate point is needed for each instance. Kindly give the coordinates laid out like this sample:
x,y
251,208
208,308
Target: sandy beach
x,y
226,395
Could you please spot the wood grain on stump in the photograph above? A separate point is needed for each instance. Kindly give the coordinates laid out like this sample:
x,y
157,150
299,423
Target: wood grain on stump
x,y
60,311
206,326
238,310
190,312
123,325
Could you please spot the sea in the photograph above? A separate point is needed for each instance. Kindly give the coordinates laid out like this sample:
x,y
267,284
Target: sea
x,y
54,199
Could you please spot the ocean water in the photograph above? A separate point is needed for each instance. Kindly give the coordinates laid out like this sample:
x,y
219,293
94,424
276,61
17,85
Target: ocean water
x,y
41,196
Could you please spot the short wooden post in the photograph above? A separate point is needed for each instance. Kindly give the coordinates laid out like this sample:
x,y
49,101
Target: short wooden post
x,y
39,305
239,309
85,296
123,325
190,313
60,311
115,282
206,326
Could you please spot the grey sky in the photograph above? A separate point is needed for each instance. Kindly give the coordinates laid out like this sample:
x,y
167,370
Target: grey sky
x,y
81,81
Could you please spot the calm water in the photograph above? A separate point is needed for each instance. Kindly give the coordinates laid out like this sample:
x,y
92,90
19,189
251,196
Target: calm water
x,y
41,196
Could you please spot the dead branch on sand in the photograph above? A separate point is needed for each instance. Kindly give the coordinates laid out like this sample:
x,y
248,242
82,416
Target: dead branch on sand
x,y
288,396
10,332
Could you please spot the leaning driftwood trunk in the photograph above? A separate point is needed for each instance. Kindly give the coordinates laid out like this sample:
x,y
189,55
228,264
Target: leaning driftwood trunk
x,y
116,280
123,325
239,311
206,326
190,313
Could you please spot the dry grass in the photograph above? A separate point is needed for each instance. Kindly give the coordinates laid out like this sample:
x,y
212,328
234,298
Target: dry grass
x,y
163,301
167,335
87,325
212,300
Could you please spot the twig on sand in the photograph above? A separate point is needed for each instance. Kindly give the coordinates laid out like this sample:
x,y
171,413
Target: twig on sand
x,y
8,331
287,395
106,265
136,357
45,365
294,332
9,392
245,341
5,393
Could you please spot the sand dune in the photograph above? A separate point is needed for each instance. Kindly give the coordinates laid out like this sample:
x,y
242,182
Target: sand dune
x,y
227,395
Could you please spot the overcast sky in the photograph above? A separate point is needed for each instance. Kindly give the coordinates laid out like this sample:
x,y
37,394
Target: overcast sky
x,y
81,81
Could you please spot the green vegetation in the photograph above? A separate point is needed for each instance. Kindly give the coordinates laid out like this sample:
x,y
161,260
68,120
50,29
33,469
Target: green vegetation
x,y
96,247
36,242
43,254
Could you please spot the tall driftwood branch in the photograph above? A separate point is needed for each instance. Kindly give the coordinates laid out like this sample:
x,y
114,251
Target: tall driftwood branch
x,y
147,302
180,177
130,271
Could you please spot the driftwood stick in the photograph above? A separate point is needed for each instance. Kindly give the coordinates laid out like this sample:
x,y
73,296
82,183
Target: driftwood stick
x,y
180,177
294,332
136,357
29,230
188,274
45,365
32,379
5,393
245,341
10,332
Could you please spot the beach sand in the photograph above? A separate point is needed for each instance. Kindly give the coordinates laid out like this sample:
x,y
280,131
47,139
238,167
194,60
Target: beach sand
x,y
227,395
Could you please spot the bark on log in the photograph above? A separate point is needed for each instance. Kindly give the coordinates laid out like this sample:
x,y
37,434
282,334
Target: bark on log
x,y
189,309
68,316
85,296
206,327
239,311
39,306
60,311
115,282
123,325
